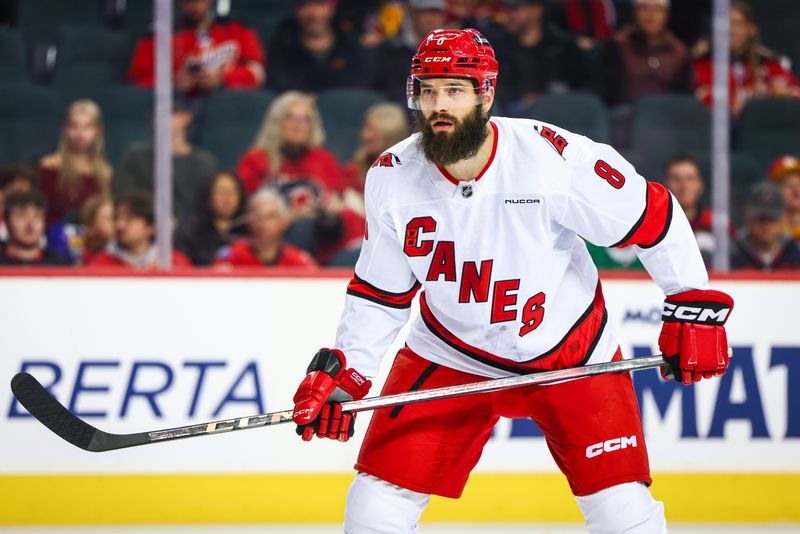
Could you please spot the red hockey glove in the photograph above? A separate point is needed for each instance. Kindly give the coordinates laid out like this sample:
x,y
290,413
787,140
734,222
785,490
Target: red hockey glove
x,y
316,403
693,339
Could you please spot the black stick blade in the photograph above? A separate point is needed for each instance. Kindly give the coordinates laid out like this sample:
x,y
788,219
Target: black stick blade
x,y
51,413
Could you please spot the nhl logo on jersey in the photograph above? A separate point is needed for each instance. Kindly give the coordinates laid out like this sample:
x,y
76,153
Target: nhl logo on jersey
x,y
466,191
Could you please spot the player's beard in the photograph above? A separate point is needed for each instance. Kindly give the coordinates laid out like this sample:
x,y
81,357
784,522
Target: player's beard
x,y
445,148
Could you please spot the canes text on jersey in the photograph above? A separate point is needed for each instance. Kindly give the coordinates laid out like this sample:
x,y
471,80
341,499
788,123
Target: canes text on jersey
x,y
476,282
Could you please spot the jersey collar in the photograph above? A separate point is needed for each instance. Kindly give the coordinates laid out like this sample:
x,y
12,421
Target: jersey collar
x,y
455,181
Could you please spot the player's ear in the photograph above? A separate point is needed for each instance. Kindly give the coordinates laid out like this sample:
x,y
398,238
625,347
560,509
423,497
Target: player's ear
x,y
487,99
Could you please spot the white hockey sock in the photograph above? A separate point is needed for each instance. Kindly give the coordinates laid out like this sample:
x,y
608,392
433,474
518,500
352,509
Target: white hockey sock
x,y
375,506
625,508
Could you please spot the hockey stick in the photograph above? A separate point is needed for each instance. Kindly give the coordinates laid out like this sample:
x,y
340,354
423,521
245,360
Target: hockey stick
x,y
52,414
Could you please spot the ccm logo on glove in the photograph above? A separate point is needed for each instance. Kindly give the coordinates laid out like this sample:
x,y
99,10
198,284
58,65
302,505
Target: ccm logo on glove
x,y
357,378
693,338
317,402
708,314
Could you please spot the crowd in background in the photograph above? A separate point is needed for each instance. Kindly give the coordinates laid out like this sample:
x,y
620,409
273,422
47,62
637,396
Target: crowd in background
x,y
290,202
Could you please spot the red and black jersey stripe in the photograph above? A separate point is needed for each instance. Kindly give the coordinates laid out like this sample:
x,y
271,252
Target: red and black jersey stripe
x,y
363,289
655,220
574,349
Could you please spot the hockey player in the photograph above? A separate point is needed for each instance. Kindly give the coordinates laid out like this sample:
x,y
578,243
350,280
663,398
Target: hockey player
x,y
488,215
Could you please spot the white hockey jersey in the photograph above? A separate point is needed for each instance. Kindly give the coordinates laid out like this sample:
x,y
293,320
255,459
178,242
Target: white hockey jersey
x,y
509,286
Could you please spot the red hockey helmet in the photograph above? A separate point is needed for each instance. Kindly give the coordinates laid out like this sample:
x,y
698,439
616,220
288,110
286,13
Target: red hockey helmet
x,y
453,54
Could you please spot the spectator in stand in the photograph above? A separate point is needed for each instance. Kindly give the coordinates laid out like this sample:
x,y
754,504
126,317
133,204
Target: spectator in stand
x,y
193,168
97,218
307,53
395,54
755,72
644,59
543,58
218,223
208,53
288,153
16,177
690,20
78,169
490,17
785,171
592,21
476,14
289,147
268,220
369,21
684,179
134,231
25,220
762,244
385,125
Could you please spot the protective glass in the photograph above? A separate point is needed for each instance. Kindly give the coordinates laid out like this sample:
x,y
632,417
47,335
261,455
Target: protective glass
x,y
430,94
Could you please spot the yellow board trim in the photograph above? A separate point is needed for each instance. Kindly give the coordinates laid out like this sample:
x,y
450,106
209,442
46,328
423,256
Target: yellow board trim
x,y
309,498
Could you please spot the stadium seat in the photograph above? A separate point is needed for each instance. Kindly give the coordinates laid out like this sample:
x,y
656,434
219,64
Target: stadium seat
x,y
263,26
277,9
743,174
137,17
30,117
39,20
777,23
302,234
796,60
12,56
666,125
342,113
580,113
127,115
264,16
232,120
89,59
345,258
769,128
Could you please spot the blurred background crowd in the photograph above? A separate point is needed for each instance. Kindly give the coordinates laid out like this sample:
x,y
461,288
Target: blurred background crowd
x,y
281,106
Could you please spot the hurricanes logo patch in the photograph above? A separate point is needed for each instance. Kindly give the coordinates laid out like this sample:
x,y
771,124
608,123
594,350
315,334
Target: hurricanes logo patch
x,y
386,160
558,142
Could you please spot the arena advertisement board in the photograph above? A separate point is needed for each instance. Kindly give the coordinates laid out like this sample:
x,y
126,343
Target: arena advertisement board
x,y
142,353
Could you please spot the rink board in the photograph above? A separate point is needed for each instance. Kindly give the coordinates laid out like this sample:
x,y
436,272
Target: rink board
x,y
132,354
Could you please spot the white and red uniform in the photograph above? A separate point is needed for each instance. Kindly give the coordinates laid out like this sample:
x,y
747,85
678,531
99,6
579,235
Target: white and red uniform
x,y
509,288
